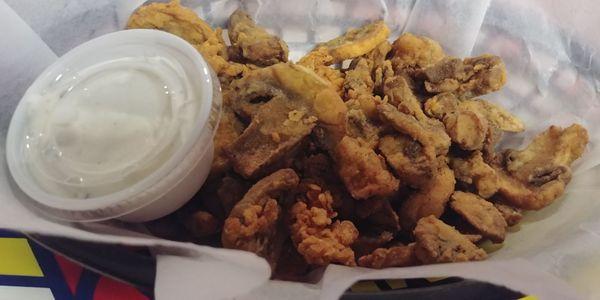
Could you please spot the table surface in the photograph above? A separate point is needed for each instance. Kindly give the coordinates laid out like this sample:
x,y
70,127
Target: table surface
x,y
29,271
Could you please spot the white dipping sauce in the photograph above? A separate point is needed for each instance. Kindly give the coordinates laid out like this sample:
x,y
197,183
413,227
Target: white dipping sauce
x,y
108,126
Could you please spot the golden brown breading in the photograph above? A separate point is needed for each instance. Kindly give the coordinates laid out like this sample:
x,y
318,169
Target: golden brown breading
x,y
430,134
229,129
511,215
467,129
538,174
529,196
549,151
481,214
296,100
412,53
183,22
398,256
356,42
318,239
466,78
443,104
437,242
363,171
495,114
429,200
253,42
252,224
319,61
474,170
361,128
408,159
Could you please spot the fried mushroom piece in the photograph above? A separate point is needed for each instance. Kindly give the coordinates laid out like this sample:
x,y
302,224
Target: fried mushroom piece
x,y
229,129
296,101
253,42
253,224
363,172
356,42
466,78
185,23
443,104
547,153
468,129
473,170
358,88
319,60
412,53
437,242
511,215
530,196
397,256
430,134
318,238
480,213
431,199
407,159
537,175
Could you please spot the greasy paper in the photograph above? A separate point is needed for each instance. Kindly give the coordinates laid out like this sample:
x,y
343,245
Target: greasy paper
x,y
549,50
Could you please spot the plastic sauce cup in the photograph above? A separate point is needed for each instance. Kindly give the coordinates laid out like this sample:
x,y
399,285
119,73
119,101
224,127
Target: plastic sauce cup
x,y
167,187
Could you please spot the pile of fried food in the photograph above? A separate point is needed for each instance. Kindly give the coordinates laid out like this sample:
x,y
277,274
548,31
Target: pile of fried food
x,y
388,162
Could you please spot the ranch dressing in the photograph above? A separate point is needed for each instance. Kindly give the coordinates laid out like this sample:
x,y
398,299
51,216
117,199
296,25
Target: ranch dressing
x,y
108,125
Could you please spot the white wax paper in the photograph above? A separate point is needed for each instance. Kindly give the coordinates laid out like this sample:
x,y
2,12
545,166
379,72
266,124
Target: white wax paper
x,y
549,49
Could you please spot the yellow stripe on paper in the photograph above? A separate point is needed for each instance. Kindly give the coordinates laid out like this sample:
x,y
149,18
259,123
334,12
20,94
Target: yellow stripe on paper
x,y
16,258
435,279
529,298
396,284
364,287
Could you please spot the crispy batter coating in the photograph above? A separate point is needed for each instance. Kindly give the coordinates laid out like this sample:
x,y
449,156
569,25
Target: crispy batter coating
x,y
443,104
295,100
253,42
537,175
495,114
480,213
412,52
363,171
437,242
398,256
229,129
252,224
183,22
466,78
467,128
511,215
429,200
408,159
356,42
361,128
318,239
430,134
400,94
474,170
319,61
549,151
529,196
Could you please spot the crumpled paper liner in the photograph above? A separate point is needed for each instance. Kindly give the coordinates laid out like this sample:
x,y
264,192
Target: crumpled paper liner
x,y
548,48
